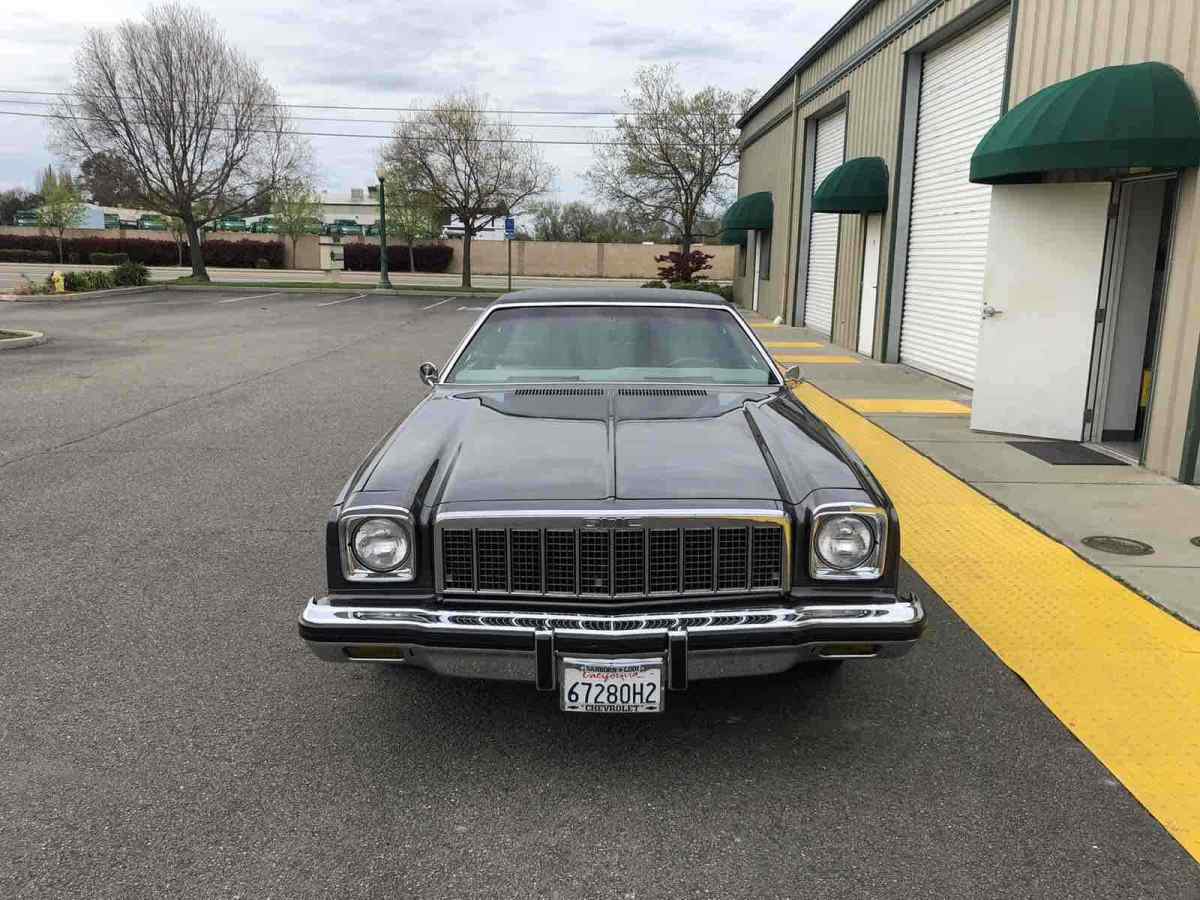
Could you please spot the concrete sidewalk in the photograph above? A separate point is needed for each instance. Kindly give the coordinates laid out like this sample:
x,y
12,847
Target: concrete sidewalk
x,y
1067,502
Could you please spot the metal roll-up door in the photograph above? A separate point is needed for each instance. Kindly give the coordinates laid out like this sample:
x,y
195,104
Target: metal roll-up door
x,y
962,87
823,229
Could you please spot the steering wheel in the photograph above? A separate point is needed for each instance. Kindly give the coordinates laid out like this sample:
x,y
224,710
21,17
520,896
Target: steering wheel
x,y
684,360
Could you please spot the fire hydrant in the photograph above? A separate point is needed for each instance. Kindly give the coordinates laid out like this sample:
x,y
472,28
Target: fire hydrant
x,y
57,278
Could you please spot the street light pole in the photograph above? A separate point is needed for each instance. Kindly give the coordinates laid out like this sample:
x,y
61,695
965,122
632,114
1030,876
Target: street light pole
x,y
384,281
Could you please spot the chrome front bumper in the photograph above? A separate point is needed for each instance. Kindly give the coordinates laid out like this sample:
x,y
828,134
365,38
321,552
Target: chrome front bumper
x,y
524,646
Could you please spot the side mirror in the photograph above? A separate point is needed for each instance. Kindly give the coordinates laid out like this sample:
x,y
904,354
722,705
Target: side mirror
x,y
792,376
429,373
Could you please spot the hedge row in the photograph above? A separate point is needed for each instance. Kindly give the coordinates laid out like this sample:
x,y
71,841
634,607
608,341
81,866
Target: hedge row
x,y
428,257
217,252
10,255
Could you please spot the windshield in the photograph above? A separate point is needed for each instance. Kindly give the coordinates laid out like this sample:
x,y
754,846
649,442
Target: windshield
x,y
611,343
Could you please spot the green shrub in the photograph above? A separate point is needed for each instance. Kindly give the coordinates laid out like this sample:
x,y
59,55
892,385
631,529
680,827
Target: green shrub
x,y
88,281
261,263
725,291
100,258
130,274
654,284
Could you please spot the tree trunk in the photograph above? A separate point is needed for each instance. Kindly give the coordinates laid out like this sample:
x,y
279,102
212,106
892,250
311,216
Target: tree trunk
x,y
685,242
294,240
412,260
466,279
60,253
199,272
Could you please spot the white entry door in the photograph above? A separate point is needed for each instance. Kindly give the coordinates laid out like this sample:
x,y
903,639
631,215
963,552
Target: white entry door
x,y
873,229
1041,286
755,247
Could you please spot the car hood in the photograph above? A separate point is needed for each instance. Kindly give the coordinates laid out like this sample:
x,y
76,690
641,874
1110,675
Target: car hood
x,y
596,443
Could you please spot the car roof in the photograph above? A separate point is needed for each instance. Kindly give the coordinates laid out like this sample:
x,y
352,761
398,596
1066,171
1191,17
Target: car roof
x,y
610,295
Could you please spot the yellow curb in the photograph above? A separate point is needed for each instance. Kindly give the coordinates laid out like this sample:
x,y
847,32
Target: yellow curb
x,y
819,360
764,325
912,407
797,345
1121,674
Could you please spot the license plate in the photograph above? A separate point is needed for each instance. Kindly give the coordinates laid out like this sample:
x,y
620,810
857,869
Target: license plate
x,y
612,685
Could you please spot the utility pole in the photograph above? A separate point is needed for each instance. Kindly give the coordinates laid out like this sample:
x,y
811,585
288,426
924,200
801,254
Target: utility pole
x,y
385,283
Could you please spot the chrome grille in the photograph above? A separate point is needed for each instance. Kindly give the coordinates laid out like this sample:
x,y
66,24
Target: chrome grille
x,y
625,561
733,558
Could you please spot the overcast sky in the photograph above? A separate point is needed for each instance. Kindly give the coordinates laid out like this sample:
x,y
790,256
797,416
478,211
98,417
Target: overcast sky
x,y
536,55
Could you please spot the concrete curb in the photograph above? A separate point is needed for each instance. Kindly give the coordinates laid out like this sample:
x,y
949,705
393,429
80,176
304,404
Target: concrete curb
x,y
25,339
348,289
83,295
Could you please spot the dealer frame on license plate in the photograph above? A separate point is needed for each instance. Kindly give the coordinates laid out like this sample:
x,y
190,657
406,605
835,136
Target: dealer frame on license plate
x,y
628,685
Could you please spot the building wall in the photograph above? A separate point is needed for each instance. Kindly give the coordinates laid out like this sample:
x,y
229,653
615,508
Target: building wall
x,y
1053,40
1059,39
872,91
765,166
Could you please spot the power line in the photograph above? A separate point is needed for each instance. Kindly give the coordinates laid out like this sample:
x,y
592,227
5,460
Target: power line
x,y
513,112
375,137
11,102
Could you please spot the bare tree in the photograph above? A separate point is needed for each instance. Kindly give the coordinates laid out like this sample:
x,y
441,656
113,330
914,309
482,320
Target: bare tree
x,y
463,159
193,118
62,205
674,155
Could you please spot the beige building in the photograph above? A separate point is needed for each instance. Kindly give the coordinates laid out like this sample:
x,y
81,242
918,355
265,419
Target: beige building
x,y
1002,194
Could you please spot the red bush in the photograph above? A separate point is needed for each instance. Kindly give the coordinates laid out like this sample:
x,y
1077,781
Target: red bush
x,y
428,257
682,267
154,252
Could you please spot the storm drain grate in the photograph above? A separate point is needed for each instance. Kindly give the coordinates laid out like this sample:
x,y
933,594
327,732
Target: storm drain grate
x,y
1107,543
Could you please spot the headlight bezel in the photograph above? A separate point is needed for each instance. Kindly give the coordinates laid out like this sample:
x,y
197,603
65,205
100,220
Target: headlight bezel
x,y
353,569
875,517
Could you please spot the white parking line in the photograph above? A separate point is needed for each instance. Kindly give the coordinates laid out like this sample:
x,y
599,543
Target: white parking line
x,y
253,297
439,303
471,308
345,300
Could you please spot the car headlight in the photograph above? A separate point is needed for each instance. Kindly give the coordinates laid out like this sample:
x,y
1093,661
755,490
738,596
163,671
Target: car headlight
x,y
380,544
847,542
844,542
377,544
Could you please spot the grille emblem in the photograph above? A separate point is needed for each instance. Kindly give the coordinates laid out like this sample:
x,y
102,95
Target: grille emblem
x,y
611,522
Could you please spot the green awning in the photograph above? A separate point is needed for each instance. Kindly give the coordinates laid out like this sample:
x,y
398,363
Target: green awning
x,y
752,211
1119,117
733,236
858,185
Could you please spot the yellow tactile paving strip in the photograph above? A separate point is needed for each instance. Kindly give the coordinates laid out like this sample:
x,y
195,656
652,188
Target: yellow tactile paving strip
x,y
795,345
816,358
1120,673
912,407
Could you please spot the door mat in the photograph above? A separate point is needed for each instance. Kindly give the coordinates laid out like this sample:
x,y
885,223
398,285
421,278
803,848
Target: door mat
x,y
1066,453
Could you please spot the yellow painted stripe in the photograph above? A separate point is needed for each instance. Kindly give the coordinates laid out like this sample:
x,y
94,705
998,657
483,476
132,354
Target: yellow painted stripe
x,y
1120,673
795,345
877,405
815,358
763,325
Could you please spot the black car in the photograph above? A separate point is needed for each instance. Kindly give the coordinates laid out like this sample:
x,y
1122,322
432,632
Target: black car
x,y
611,494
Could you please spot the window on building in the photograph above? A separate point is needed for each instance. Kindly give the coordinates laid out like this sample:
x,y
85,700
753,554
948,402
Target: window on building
x,y
741,260
764,249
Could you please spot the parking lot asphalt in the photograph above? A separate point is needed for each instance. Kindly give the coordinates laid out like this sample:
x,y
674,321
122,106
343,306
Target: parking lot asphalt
x,y
166,463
